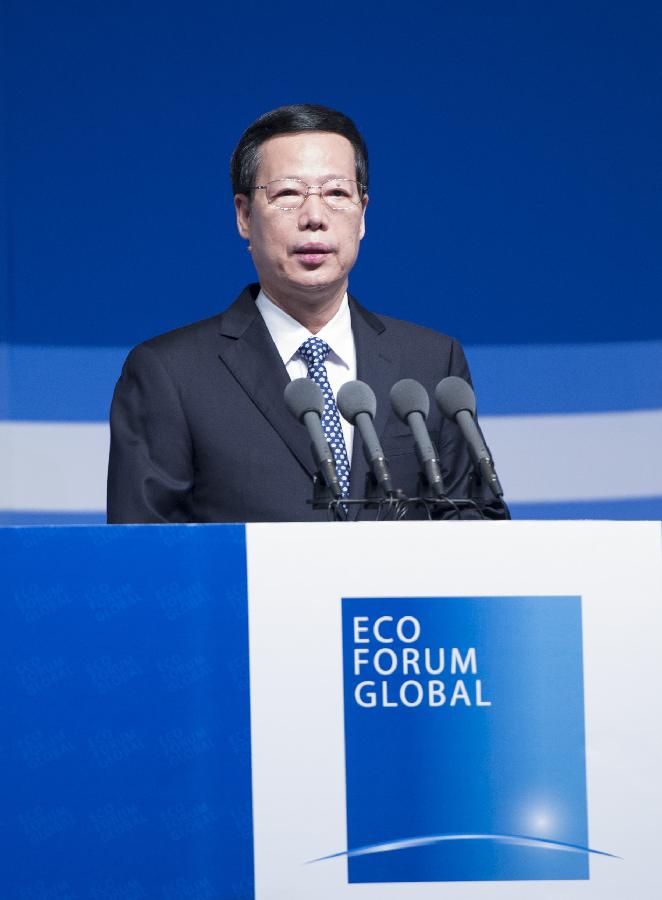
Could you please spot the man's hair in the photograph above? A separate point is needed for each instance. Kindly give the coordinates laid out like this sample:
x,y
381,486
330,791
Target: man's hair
x,y
292,120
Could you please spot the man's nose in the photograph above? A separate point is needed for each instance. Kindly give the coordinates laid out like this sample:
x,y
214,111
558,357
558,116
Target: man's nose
x,y
313,212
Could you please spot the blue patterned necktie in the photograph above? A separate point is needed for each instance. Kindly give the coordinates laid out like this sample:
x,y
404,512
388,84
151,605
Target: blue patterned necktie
x,y
314,352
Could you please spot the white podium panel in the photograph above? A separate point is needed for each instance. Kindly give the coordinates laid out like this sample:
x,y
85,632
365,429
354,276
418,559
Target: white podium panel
x,y
456,710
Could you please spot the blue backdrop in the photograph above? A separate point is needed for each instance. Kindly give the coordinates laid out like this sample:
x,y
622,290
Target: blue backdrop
x,y
528,136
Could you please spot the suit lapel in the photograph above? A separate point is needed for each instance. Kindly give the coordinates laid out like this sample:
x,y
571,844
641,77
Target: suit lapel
x,y
378,365
250,354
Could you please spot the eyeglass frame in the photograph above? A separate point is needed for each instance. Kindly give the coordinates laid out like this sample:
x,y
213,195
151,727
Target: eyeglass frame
x,y
361,189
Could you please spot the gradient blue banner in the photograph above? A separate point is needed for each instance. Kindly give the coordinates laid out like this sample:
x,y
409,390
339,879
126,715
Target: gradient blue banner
x,y
489,690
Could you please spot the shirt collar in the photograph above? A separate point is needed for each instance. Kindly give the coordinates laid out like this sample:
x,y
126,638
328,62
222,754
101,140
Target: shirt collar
x,y
288,334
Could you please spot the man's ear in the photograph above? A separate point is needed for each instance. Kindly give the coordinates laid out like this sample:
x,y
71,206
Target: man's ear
x,y
242,207
364,203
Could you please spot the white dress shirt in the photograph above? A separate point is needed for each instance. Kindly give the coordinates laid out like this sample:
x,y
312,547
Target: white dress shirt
x,y
288,335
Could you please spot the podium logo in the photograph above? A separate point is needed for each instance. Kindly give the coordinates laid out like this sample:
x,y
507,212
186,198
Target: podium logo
x,y
464,739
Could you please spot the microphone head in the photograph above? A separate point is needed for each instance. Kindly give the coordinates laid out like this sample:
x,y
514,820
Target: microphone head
x,y
356,397
453,395
301,396
408,396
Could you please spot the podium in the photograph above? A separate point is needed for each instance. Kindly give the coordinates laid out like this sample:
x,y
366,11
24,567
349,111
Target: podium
x,y
321,711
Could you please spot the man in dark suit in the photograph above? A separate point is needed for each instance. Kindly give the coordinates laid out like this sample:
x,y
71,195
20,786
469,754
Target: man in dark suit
x,y
199,429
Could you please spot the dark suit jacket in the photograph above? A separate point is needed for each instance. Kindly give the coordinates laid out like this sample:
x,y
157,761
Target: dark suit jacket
x,y
200,431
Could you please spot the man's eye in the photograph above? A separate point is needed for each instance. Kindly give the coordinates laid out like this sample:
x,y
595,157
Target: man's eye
x,y
336,192
287,192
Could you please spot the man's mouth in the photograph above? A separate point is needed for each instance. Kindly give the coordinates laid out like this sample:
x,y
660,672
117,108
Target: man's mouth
x,y
313,253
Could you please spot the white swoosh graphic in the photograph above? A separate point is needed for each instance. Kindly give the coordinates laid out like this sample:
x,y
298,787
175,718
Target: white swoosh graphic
x,y
520,840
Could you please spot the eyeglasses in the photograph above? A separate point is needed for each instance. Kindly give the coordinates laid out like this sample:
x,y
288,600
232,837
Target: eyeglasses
x,y
291,193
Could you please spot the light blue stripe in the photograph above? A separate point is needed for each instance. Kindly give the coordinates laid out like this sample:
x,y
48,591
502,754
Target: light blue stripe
x,y
648,508
16,517
641,508
58,384
565,378
76,383
4,380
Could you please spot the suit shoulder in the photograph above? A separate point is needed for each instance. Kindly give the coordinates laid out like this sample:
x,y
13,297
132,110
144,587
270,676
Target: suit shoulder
x,y
421,352
173,351
401,329
203,334
185,335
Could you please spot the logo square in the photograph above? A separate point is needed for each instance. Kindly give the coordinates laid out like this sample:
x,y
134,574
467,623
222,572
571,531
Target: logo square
x,y
464,739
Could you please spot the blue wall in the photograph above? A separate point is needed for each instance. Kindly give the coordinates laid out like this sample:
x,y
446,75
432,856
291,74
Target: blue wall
x,y
525,138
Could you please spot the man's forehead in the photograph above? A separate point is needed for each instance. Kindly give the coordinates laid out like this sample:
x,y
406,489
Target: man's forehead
x,y
307,153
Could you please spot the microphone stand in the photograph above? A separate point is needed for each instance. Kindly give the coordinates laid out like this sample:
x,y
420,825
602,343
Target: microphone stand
x,y
323,498
396,508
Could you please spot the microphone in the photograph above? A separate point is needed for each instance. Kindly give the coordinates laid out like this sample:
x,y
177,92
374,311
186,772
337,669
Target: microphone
x,y
305,401
411,405
358,404
456,400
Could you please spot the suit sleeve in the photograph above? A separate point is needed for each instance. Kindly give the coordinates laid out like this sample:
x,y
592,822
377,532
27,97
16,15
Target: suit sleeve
x,y
150,470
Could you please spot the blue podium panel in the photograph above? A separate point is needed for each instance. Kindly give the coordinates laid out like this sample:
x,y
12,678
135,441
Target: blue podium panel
x,y
125,748
321,711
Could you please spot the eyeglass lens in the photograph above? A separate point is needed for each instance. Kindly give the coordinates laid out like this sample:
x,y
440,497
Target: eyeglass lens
x,y
289,193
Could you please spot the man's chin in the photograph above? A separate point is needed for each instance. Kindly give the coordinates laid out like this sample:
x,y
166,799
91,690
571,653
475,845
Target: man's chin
x,y
317,287
315,283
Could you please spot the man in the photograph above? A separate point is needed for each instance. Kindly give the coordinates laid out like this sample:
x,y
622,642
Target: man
x,y
199,428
